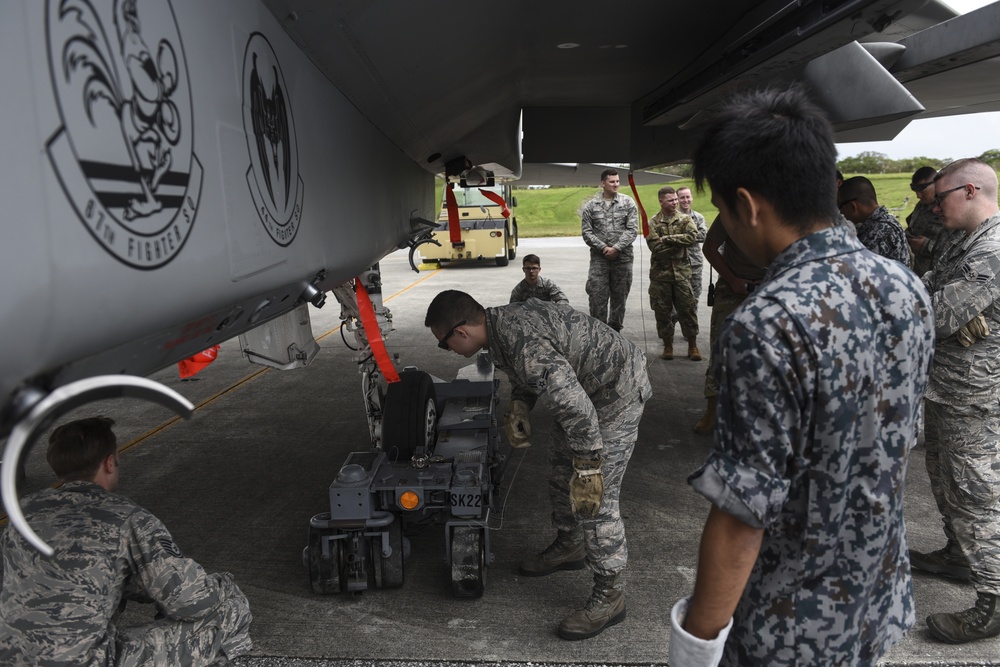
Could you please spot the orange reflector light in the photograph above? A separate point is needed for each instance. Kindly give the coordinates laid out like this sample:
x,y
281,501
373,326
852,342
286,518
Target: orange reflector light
x,y
409,500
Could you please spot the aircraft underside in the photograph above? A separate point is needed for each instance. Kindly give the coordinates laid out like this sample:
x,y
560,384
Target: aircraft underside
x,y
179,172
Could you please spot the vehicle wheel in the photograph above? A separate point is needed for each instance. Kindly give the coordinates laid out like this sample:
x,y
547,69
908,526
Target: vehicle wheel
x,y
512,251
502,259
409,419
324,569
388,572
468,562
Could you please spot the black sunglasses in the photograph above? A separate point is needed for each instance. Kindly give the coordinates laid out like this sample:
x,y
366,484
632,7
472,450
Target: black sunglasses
x,y
940,197
443,343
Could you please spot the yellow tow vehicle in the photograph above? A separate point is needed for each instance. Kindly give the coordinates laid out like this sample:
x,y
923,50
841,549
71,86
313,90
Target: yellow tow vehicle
x,y
487,234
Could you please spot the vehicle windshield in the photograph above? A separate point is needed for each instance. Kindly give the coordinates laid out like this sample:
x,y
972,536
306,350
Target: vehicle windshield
x,y
473,197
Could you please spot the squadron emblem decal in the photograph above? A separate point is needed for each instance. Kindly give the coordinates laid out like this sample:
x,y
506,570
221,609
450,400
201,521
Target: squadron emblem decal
x,y
273,175
124,154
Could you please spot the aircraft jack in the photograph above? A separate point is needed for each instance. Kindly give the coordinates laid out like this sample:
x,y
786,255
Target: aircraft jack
x,y
439,463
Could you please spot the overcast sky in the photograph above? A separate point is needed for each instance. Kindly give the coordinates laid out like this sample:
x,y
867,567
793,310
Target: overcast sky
x,y
939,137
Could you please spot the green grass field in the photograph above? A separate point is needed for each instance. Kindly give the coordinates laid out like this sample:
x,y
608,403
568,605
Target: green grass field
x,y
556,211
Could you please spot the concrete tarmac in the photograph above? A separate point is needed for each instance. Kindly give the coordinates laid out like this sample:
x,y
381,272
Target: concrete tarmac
x,y
238,483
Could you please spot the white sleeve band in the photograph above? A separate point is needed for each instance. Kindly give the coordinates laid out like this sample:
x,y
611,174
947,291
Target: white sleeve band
x,y
686,650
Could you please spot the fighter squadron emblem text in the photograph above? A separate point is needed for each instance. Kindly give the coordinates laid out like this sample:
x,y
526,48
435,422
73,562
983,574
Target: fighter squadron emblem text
x,y
124,154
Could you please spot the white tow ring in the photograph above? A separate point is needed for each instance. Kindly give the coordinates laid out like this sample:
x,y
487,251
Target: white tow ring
x,y
54,405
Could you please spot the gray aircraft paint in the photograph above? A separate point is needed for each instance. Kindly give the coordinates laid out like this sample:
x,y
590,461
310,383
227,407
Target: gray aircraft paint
x,y
74,304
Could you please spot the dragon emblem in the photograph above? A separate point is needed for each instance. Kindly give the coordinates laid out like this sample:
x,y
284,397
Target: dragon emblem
x,y
273,176
270,129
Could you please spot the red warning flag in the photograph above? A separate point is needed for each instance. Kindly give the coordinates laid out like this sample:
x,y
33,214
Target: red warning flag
x,y
190,366
642,211
373,333
498,200
454,224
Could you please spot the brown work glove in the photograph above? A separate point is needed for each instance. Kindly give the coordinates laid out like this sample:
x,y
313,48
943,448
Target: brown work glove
x,y
975,329
586,488
517,426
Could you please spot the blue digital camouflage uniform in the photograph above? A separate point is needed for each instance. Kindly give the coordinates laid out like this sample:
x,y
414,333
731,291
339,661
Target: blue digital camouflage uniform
x,y
883,235
962,431
820,374
543,289
612,223
670,241
923,221
594,382
64,610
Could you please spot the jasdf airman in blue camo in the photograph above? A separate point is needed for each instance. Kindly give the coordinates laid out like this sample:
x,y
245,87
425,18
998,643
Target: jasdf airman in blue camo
x,y
820,372
877,229
594,382
610,223
962,430
63,610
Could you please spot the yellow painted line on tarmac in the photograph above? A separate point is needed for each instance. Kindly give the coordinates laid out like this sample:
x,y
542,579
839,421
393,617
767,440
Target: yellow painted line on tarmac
x,y
236,385
167,424
233,387
211,399
415,283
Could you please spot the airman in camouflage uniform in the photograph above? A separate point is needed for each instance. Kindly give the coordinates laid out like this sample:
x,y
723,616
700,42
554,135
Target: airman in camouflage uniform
x,y
962,431
594,382
671,238
877,229
610,223
535,286
695,255
820,371
738,276
64,610
923,225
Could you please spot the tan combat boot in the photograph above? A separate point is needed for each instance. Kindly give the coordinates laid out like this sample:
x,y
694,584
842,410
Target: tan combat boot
x,y
707,421
606,607
693,353
565,553
668,349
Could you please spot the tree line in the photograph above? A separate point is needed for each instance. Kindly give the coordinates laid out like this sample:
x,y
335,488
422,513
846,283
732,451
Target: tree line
x,y
873,162
866,162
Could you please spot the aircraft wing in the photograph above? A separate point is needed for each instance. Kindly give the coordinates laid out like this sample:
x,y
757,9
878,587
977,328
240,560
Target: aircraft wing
x,y
629,87
584,174
179,171
951,66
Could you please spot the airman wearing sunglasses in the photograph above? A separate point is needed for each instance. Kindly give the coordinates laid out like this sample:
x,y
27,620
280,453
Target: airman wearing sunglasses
x,y
594,383
923,225
962,403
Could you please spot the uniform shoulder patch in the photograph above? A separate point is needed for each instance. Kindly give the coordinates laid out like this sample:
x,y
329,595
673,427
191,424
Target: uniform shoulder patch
x,y
538,384
171,547
972,275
